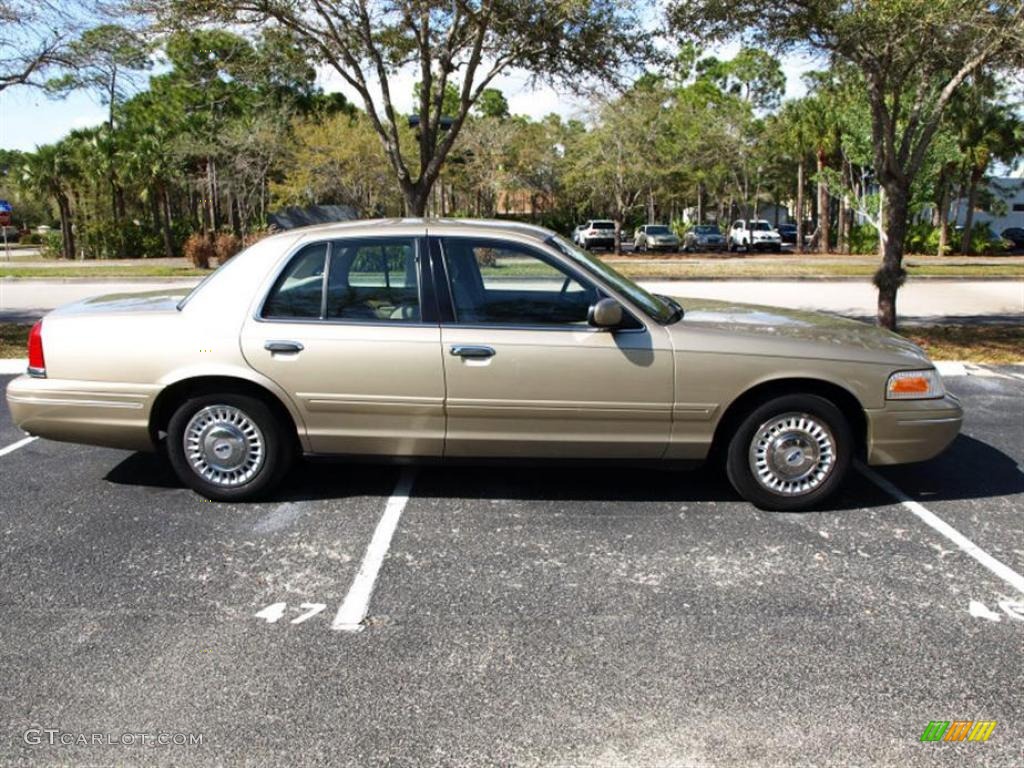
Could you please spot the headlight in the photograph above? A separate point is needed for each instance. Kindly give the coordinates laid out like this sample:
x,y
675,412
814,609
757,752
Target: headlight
x,y
914,385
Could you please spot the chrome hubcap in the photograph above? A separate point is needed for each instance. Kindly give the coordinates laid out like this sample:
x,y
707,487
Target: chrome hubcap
x,y
792,454
224,446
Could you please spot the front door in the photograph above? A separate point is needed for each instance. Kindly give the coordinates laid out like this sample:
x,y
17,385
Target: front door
x,y
343,332
526,375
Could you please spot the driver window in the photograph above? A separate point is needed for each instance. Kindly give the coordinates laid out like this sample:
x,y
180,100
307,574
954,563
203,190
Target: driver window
x,y
505,283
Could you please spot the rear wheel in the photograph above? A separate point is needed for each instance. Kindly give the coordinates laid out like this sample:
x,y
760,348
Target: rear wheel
x,y
791,453
228,447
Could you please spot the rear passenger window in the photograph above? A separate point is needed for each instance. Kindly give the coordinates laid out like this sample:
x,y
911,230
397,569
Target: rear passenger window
x,y
373,280
298,292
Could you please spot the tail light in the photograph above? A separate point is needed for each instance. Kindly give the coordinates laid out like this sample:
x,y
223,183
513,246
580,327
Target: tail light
x,y
36,361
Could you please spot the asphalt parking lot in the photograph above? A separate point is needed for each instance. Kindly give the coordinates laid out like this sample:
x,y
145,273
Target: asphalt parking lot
x,y
520,616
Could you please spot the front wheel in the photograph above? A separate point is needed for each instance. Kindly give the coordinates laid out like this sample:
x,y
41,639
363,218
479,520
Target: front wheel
x,y
791,453
228,447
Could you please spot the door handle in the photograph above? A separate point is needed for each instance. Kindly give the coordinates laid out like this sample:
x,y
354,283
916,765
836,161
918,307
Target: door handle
x,y
292,347
460,350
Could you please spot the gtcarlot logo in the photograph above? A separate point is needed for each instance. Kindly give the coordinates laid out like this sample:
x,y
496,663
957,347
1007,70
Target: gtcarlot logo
x,y
958,730
54,737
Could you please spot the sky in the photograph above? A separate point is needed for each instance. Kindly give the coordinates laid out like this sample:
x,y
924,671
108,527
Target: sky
x,y
28,117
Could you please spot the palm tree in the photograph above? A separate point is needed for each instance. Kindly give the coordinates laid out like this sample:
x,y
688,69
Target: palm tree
x,y
148,161
49,171
989,132
795,139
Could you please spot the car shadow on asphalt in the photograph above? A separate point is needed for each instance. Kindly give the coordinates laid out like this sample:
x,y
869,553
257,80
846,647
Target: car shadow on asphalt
x,y
970,469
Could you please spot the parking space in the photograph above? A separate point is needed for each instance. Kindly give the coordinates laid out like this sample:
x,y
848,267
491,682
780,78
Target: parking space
x,y
520,615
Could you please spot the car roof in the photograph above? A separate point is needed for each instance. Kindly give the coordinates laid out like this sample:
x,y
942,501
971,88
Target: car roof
x,y
419,226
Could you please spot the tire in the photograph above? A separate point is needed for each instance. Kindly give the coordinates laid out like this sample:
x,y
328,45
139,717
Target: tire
x,y
257,451
763,454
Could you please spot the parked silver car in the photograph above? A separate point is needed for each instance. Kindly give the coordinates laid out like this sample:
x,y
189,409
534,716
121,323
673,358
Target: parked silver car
x,y
655,237
704,237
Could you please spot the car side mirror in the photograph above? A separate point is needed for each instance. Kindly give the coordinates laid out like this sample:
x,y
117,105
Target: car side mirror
x,y
605,313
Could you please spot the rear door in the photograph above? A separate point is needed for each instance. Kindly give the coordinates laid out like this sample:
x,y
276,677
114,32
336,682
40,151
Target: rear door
x,y
525,373
349,330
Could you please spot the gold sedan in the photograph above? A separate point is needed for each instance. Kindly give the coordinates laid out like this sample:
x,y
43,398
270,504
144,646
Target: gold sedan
x,y
413,339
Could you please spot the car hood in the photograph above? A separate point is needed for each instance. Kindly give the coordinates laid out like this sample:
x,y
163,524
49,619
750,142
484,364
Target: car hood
x,y
165,300
798,333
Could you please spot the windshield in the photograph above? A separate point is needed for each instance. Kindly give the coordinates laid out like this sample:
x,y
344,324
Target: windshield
x,y
706,229
603,225
658,230
657,308
760,226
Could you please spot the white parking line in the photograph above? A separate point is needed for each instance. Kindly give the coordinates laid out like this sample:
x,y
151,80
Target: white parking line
x,y
16,365
999,568
15,446
353,611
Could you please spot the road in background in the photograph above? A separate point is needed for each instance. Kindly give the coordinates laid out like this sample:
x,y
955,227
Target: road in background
x,y
920,300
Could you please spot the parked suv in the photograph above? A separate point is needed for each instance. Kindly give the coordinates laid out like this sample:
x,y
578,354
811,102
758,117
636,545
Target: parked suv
x,y
596,233
754,234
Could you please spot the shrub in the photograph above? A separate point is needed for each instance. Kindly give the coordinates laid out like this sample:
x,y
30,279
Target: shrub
x,y
199,250
53,245
255,235
486,257
226,245
922,238
863,239
984,241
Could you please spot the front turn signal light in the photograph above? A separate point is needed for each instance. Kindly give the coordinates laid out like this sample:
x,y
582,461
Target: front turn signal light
x,y
914,385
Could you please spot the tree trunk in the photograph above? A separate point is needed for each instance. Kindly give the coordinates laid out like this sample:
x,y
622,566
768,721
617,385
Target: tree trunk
x,y
972,200
800,206
823,206
941,217
415,197
891,274
943,208
67,232
650,206
700,203
845,216
163,213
